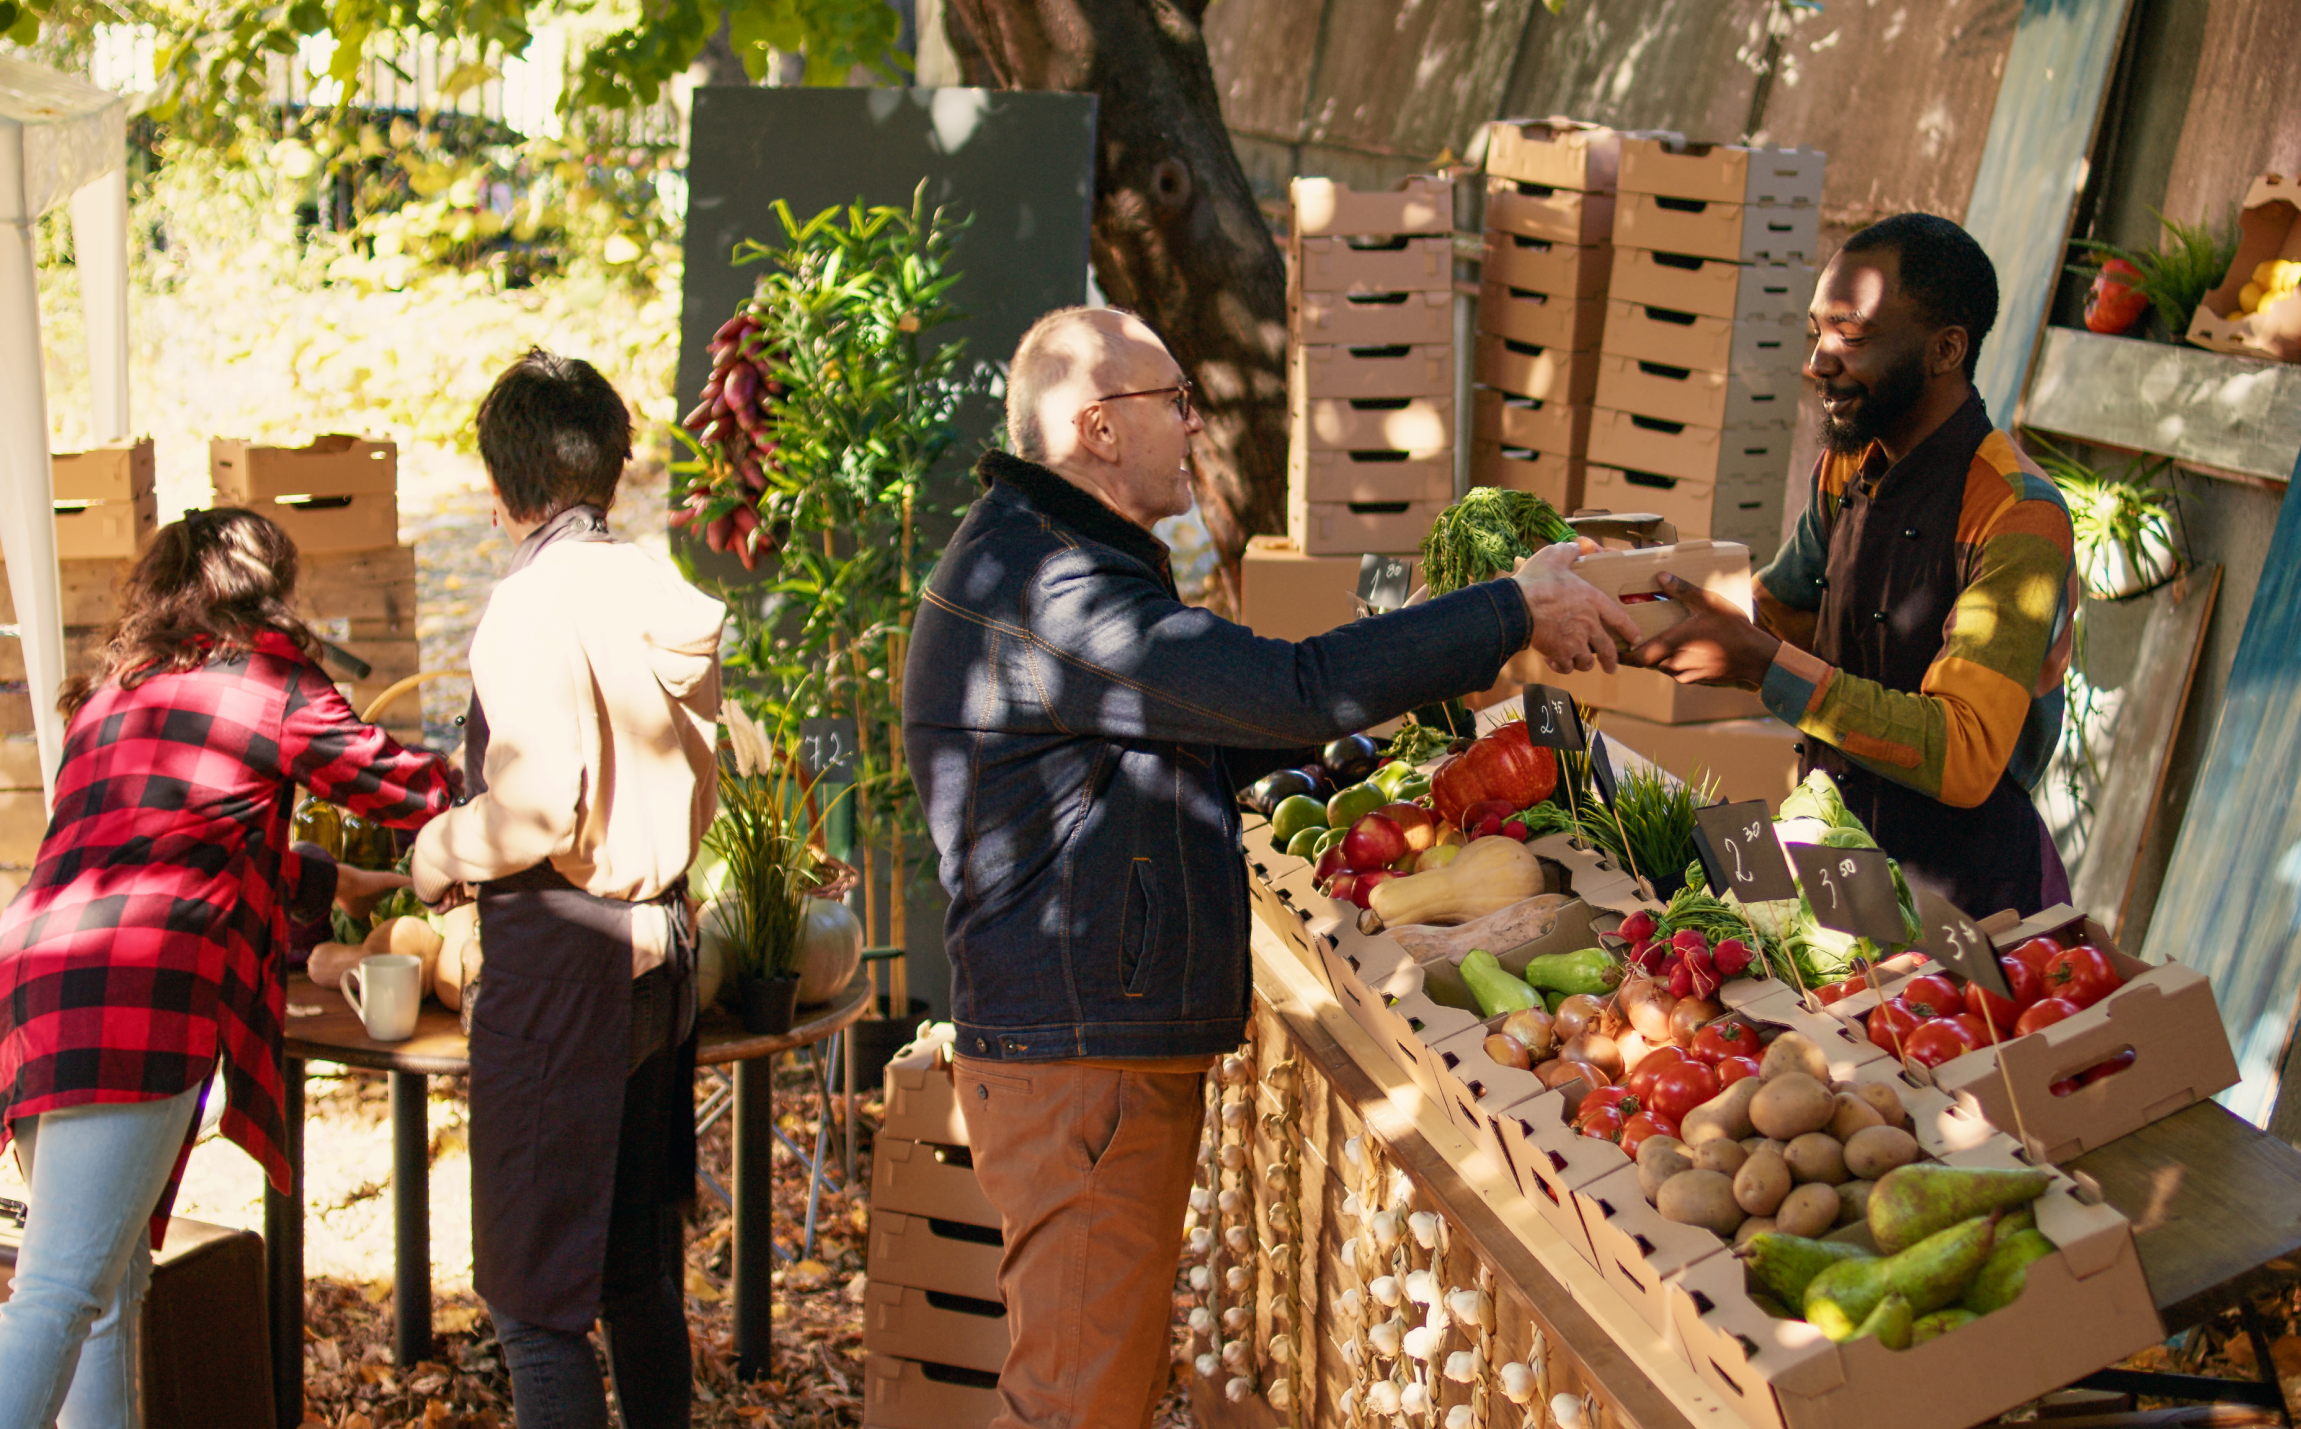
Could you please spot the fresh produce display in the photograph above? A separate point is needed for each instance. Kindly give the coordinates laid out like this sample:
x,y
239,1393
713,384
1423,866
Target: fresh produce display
x,y
1486,534
732,428
1503,768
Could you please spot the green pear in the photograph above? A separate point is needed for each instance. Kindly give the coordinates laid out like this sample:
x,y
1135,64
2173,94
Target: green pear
x,y
1890,1322
2015,1221
1782,1265
1939,1323
1912,1202
1929,1275
2006,1270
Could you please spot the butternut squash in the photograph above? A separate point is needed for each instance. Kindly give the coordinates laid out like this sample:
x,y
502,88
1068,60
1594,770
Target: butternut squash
x,y
329,960
458,955
413,937
1486,877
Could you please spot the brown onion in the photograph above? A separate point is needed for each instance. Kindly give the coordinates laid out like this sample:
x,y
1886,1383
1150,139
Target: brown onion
x,y
1596,1048
1560,1072
1532,1026
1509,1051
1633,1046
1647,1004
1690,1016
1576,1015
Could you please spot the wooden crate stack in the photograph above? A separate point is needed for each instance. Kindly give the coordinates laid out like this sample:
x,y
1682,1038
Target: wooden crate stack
x,y
338,500
1697,387
934,1327
1542,303
1370,365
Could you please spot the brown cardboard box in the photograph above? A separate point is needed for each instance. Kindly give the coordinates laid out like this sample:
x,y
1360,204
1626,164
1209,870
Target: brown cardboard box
x,y
1550,1161
117,471
1515,421
1385,265
1636,442
1422,425
1771,346
1475,1088
1651,697
1713,286
1370,976
106,530
19,763
328,525
83,647
1566,324
247,474
1426,1022
1666,164
1372,319
2268,228
921,1179
1738,233
1541,211
1636,1250
1746,513
1376,475
23,823
934,1325
1420,204
1571,270
910,1394
1720,567
1287,595
1709,399
1336,528
1749,758
922,1105
1528,369
373,588
90,589
1557,152
1553,476
1333,371
934,1254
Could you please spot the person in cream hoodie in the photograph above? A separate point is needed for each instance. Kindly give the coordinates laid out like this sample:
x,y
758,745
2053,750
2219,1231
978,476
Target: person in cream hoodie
x,y
589,751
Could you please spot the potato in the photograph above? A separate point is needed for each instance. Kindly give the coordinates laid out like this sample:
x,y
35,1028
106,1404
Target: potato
x,y
330,961
1660,1158
1808,1211
1852,1115
1873,1151
1700,1198
1762,1182
1816,1156
1721,1155
1885,1101
1789,1106
1794,1052
1755,1225
1753,1141
1724,1117
1854,1202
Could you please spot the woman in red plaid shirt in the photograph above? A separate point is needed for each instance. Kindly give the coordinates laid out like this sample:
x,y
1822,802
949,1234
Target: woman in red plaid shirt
x,y
149,944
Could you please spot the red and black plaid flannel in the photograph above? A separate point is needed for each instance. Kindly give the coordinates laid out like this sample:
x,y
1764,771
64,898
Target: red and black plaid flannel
x,y
152,934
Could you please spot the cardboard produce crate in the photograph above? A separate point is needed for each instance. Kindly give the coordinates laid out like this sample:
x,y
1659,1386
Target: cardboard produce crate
x,y
1371,475
1420,204
931,1253
1720,567
922,1104
1512,420
373,589
1334,528
1668,165
1637,1251
1751,758
920,1178
1372,319
1706,399
23,823
1422,425
1712,286
932,1325
1736,232
1709,508
106,530
1426,1021
1550,1161
1572,270
1374,265
1328,370
116,471
1541,211
330,525
1370,976
1651,697
1286,595
246,473
1566,324
2268,228
1554,476
83,648
1672,336
1528,369
1556,152
1636,442
90,591
912,1394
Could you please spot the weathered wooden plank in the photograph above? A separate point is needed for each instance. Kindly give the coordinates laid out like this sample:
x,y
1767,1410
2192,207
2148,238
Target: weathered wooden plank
x,y
2025,193
1643,64
2208,408
1260,50
1410,77
2242,120
2142,746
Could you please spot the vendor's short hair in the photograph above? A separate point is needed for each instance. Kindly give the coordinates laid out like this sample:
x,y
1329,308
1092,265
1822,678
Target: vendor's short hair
x,y
554,435
1944,271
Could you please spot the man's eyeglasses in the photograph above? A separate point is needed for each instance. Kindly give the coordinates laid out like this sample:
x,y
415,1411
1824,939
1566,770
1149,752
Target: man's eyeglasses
x,y
1180,392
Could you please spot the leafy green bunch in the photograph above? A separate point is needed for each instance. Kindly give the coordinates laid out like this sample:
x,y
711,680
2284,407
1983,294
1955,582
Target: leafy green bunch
x,y
1649,825
1486,534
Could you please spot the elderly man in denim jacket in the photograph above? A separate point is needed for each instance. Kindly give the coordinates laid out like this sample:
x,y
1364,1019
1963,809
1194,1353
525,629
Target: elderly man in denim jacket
x,y
1078,735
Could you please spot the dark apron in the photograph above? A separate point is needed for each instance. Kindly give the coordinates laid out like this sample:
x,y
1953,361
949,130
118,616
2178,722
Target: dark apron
x,y
1894,577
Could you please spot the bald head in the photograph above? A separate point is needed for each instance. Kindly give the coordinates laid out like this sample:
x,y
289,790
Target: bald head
x,y
1069,358
1093,395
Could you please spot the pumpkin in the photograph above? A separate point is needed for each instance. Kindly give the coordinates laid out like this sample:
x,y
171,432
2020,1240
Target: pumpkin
x,y
1504,765
458,955
830,949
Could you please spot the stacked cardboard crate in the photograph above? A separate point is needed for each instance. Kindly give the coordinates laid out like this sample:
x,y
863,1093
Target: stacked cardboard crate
x,y
934,1328
1704,335
1542,303
1370,365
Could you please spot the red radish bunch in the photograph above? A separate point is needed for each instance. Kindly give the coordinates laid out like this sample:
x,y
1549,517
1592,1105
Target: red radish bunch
x,y
734,424
1687,962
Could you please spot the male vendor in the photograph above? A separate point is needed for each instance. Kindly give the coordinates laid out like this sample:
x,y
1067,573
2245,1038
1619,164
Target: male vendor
x,y
1916,626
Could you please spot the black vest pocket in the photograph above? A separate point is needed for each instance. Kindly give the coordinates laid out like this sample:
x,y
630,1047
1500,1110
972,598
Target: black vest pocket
x,y
1138,934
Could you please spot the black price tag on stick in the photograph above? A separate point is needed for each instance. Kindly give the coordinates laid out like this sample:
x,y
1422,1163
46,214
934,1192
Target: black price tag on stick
x,y
827,748
1852,891
1602,769
1384,582
1552,720
1959,944
1740,853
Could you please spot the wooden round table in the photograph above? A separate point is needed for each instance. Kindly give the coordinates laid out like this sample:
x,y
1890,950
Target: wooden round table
x,y
321,1027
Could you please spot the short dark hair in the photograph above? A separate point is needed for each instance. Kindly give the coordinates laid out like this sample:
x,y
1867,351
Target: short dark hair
x,y
1947,276
554,435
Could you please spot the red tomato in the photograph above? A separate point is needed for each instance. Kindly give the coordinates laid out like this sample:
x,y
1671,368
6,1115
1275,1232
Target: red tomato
x,y
1937,1041
1733,1069
1650,1066
2044,1013
2063,1087
1932,996
1638,1128
2037,952
1605,1124
2113,305
2082,974
1836,990
2109,1068
1682,1088
1602,1100
1725,1038
2028,987
1891,1023
1976,1030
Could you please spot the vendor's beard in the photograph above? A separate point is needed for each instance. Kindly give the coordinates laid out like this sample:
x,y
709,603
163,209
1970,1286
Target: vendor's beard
x,y
1884,403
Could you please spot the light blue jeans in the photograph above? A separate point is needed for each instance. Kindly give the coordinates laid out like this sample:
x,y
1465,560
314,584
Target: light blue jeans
x,y
70,1346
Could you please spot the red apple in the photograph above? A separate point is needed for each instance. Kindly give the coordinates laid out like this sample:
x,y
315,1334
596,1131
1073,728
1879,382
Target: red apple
x,y
1418,824
1330,863
1344,889
1375,841
1364,884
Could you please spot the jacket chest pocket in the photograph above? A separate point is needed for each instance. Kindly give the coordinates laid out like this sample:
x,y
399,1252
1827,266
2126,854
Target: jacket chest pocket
x,y
1139,927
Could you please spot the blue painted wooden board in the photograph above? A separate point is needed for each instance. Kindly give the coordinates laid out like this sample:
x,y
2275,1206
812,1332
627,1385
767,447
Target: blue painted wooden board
x,y
2032,166
2232,901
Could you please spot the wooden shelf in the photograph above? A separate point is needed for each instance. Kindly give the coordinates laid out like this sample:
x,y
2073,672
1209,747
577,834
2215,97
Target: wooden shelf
x,y
2223,415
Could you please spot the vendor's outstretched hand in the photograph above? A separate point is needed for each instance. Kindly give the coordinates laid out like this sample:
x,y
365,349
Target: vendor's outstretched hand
x,y
358,889
1716,644
1576,626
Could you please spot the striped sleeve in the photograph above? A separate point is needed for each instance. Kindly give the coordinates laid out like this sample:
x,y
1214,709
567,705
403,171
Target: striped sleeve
x,y
1793,577
2006,641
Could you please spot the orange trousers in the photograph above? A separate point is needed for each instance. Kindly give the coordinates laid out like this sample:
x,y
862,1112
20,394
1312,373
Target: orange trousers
x,y
1090,1168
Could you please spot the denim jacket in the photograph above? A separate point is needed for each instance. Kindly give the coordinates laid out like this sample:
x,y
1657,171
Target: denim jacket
x,y
1078,734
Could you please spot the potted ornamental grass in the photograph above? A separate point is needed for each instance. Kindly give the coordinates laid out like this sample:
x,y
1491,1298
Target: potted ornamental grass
x,y
2121,523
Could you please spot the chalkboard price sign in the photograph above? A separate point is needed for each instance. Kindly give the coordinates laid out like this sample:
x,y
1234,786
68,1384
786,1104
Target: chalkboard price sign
x,y
1851,890
1740,853
1959,944
827,748
1384,582
1602,768
1552,721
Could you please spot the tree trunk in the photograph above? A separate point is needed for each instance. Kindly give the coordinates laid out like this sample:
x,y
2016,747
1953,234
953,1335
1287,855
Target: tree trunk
x,y
1177,236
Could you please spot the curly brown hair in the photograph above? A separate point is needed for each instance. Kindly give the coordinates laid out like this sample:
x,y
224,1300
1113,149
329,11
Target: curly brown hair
x,y
205,589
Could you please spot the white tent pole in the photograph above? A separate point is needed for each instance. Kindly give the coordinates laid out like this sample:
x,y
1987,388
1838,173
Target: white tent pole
x,y
100,246
27,491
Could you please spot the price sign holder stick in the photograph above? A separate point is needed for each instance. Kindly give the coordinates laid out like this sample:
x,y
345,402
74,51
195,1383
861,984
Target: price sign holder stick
x,y
1605,781
2020,1126
1961,930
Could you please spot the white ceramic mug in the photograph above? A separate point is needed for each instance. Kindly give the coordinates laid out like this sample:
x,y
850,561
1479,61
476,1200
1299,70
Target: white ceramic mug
x,y
386,990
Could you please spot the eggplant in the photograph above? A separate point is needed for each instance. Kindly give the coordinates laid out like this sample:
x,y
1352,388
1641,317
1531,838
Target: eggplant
x,y
1322,785
1265,793
1351,758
